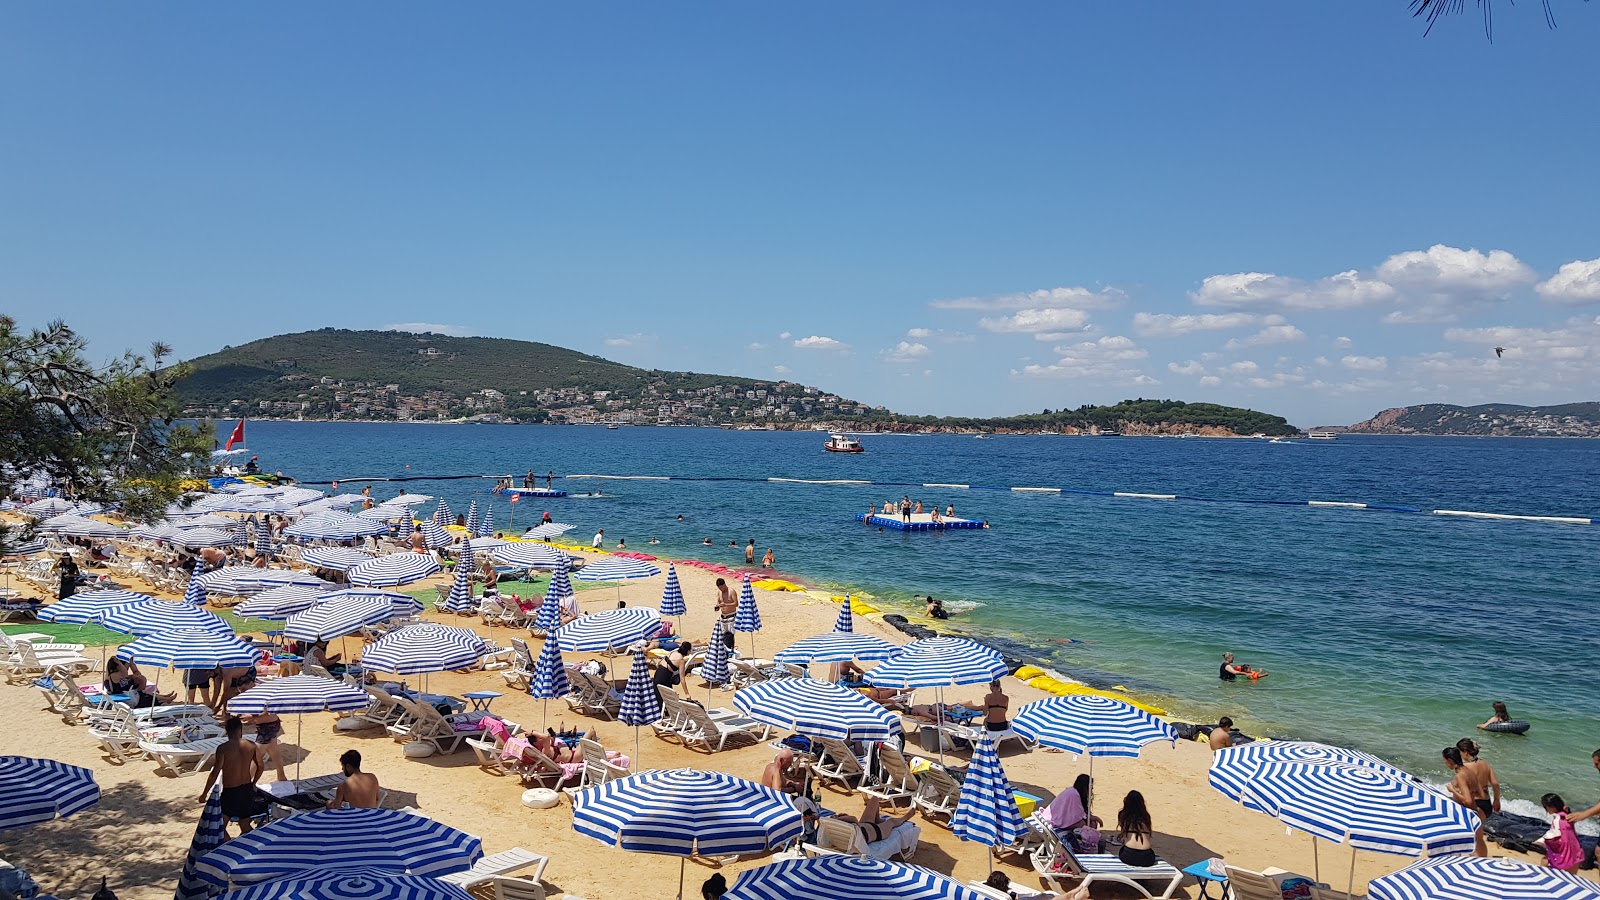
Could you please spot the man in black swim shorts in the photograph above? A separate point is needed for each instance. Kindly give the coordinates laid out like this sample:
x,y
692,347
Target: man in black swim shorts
x,y
238,763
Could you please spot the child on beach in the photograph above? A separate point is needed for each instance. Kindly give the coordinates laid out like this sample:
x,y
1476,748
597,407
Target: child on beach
x,y
1561,848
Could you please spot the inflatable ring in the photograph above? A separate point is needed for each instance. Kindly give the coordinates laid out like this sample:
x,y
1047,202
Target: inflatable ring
x,y
540,798
1515,726
418,750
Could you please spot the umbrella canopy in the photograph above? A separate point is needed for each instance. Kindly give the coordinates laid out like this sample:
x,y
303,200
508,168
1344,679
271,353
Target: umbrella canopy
x,y
486,524
33,791
837,646
338,618
339,558
190,648
559,591
434,535
527,555
402,604
472,519
49,506
817,709
1480,878
1085,723
192,538
547,531
939,668
945,644
202,519
152,616
279,602
351,884
715,668
987,811
616,568
1233,767
26,548
387,839
846,622
460,599
747,618
549,675
1361,806
681,812
846,878
263,540
299,694
428,647
386,512
484,543
70,525
641,703
442,514
409,500
90,606
393,569
407,526
608,629
242,581
334,526
672,595
194,592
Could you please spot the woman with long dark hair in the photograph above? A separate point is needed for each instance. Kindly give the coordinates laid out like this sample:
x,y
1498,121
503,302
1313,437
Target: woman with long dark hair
x,y
1134,828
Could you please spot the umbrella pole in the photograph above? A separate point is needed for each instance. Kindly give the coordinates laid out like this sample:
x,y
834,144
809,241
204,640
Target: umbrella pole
x,y
1316,861
299,742
682,861
938,740
544,714
1351,884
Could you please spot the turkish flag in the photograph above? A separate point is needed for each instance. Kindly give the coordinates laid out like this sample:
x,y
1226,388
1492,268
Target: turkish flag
x,y
236,438
515,497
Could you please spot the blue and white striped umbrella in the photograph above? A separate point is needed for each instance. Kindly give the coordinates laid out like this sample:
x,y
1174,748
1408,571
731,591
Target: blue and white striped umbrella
x,y
209,834
559,590
241,532
279,602
616,568
435,535
946,644
337,619
846,878
351,884
402,604
987,811
405,499
338,558
264,540
846,623
672,595
747,618
486,524
1361,806
243,581
49,506
150,617
385,512
460,599
938,668
190,648
28,548
80,526
715,668
442,514
34,791
195,538
343,501
1233,767
482,544
1085,723
528,555
817,709
160,531
194,592
393,568
641,704
548,530
472,519
428,647
386,839
407,526
334,526
609,629
1480,878
549,675
837,646
203,519
681,812
299,694
90,606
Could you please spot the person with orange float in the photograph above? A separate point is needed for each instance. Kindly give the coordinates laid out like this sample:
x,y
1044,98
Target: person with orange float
x,y
1232,671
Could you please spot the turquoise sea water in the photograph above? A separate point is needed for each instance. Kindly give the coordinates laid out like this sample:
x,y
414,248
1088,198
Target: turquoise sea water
x,y
1390,632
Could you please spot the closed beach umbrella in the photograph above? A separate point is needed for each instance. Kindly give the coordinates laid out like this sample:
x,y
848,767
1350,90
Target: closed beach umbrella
x,y
434,535
683,812
641,704
337,618
386,839
242,581
90,606
472,519
846,623
34,791
393,568
527,555
194,592
609,629
279,602
557,593
337,558
140,619
715,668
209,834
263,540
351,884
428,647
547,531
407,526
672,595
746,617
987,810
1480,878
241,532
190,648
442,514
846,878
837,646
549,676
817,709
1085,723
486,524
460,600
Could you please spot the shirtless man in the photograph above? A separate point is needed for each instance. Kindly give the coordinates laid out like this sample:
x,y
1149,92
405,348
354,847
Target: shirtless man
x,y
1222,735
750,553
419,542
727,602
1594,810
782,775
1472,787
238,763
360,789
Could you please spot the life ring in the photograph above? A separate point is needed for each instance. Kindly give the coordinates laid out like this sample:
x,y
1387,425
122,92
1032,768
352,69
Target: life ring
x,y
540,798
1515,726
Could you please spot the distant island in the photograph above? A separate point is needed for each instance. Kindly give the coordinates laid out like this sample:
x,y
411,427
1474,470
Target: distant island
x,y
335,374
1486,420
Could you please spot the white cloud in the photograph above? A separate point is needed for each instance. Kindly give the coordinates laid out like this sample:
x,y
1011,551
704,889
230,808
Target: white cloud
x,y
1343,342
1053,298
1259,290
781,370
1266,337
939,334
630,340
784,335
1144,379
919,333
1576,344
1575,283
818,342
1322,361
1275,380
1445,269
1106,358
1365,363
1189,367
906,352
1044,323
1210,381
430,328
1244,366
757,345
1164,325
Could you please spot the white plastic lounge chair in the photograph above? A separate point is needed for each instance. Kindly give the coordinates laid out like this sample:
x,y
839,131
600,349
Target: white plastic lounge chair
x,y
700,728
973,734
896,783
1056,864
429,726
835,762
517,889
504,863
836,837
1245,884
937,793
187,758
520,675
597,767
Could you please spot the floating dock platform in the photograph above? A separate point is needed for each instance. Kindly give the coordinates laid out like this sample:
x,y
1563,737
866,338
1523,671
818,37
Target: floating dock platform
x,y
530,492
919,522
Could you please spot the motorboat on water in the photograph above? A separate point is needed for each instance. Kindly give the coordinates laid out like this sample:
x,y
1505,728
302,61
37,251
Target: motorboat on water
x,y
838,443
1324,435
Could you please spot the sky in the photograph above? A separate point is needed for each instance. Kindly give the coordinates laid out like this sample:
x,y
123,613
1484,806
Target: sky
x,y
942,208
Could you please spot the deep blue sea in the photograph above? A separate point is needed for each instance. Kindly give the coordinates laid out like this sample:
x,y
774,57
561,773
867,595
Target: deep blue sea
x,y
1385,631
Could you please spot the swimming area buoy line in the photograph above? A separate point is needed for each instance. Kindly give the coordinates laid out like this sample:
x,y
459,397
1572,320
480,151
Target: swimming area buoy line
x,y
1021,489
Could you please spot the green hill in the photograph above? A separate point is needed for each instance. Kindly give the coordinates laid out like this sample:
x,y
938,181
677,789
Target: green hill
x,y
1488,419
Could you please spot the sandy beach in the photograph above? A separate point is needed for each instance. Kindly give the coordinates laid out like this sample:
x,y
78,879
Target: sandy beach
x,y
138,834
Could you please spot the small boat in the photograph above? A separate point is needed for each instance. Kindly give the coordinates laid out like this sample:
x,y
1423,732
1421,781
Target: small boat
x,y
838,443
612,426
1324,435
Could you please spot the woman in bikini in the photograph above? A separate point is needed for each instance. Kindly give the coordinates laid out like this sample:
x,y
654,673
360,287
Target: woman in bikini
x,y
873,824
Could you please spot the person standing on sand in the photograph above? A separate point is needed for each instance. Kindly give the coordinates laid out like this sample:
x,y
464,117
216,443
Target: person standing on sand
x,y
750,553
727,602
238,763
1470,788
1222,735
359,790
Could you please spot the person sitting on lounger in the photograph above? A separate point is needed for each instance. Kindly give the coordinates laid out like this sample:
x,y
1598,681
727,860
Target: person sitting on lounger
x,y
783,775
1068,815
318,655
1134,827
873,824
854,677
359,789
124,677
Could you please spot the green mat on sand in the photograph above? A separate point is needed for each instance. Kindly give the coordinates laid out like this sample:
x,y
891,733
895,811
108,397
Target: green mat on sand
x,y
98,636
